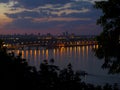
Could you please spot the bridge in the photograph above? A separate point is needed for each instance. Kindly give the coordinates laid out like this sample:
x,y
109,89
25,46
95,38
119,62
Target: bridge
x,y
50,44
23,41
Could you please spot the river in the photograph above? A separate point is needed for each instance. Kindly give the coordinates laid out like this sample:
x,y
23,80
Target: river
x,y
81,58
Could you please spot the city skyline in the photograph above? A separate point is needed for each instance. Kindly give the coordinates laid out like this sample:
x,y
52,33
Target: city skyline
x,y
45,16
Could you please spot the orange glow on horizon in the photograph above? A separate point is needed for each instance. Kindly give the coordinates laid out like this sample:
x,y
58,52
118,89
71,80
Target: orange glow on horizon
x,y
4,20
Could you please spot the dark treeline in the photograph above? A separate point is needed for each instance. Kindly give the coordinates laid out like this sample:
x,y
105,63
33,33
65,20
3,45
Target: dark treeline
x,y
109,39
16,74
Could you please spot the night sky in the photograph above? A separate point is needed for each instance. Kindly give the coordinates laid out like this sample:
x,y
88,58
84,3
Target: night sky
x,y
49,16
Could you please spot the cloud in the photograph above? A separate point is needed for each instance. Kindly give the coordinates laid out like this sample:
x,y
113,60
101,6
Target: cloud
x,y
65,9
70,11
91,1
4,1
57,6
47,14
36,3
48,10
60,19
23,15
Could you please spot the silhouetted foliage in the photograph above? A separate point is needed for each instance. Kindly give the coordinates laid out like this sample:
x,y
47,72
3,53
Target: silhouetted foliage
x,y
109,39
16,74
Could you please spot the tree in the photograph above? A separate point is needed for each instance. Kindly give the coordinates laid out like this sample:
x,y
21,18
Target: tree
x,y
109,39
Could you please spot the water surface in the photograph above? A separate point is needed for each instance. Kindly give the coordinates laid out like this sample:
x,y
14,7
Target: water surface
x,y
81,58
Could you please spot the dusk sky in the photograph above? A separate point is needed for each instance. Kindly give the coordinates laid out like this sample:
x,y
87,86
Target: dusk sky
x,y
49,16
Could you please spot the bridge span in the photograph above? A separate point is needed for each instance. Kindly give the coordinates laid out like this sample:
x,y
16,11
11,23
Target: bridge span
x,y
53,44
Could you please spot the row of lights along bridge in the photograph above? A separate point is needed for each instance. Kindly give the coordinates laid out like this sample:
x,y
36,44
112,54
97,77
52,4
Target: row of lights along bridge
x,y
47,40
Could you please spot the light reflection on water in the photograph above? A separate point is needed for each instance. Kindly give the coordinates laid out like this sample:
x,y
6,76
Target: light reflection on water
x,y
81,58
